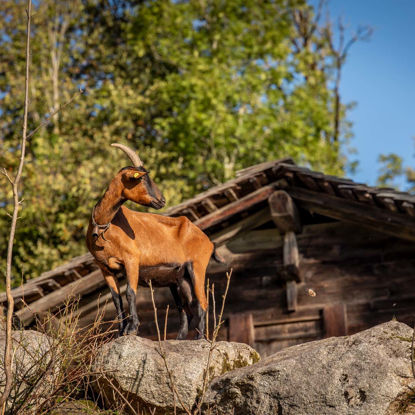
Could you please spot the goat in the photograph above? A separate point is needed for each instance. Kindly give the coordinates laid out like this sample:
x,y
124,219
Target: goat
x,y
169,251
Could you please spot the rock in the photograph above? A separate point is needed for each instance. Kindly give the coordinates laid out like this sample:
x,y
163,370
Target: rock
x,y
34,367
135,367
367,373
80,407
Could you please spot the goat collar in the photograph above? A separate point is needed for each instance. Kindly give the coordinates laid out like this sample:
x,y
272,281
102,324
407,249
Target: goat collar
x,y
96,228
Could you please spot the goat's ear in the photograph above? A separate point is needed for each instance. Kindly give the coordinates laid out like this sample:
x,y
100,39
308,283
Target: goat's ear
x,y
135,174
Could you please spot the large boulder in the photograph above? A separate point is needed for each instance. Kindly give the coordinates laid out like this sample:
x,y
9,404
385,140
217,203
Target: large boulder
x,y
34,367
366,373
133,367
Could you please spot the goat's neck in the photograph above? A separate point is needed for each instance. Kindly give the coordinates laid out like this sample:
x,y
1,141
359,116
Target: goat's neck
x,y
109,204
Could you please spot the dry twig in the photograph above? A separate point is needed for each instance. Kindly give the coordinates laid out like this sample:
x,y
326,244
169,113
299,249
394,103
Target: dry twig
x,y
17,203
15,185
213,341
164,357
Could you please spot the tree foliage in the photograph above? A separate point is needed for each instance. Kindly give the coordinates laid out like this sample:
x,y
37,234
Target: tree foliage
x,y
201,87
393,173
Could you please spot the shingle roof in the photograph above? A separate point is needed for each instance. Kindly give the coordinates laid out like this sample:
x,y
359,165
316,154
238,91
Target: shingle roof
x,y
382,209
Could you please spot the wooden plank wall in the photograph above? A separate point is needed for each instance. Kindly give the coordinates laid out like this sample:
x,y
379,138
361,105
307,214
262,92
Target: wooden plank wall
x,y
360,278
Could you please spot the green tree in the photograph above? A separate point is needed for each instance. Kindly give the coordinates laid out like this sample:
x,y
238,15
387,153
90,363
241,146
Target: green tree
x,y
202,88
393,169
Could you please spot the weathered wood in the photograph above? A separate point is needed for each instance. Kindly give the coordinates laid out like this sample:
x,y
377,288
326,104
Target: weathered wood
x,y
388,203
370,217
290,271
275,315
282,331
49,284
255,182
251,241
231,195
244,225
362,193
83,286
228,211
409,208
399,196
346,193
326,186
291,255
308,181
208,205
291,290
335,320
24,293
190,213
241,328
284,213
264,166
80,261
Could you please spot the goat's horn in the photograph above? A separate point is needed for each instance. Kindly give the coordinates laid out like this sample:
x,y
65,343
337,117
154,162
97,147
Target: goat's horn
x,y
130,153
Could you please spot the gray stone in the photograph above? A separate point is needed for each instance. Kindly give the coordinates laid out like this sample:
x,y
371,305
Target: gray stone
x,y
366,373
134,366
33,366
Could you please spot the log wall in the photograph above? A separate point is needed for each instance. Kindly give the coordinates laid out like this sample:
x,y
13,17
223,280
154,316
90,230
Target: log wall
x,y
360,278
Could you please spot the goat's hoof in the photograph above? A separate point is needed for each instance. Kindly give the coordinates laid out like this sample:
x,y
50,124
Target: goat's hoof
x,y
130,329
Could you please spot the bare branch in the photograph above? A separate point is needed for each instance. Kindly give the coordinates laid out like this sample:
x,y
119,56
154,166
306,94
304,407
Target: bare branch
x,y
213,343
15,185
164,357
3,171
165,321
207,310
48,120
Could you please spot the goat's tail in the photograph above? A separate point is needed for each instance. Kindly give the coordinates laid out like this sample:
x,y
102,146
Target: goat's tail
x,y
217,257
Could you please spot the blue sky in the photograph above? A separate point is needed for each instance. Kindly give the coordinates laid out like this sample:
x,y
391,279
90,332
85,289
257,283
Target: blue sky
x,y
379,76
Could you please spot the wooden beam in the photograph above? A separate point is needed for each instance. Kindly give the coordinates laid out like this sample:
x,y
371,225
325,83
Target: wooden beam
x,y
231,195
371,217
260,240
208,205
256,182
23,292
291,255
409,208
335,320
241,328
244,225
190,213
291,291
290,270
233,208
84,286
284,213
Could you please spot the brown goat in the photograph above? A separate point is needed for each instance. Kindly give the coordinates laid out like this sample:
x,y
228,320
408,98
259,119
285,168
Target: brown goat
x,y
168,251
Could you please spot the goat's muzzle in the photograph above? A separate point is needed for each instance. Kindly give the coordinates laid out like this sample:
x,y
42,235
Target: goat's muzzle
x,y
158,203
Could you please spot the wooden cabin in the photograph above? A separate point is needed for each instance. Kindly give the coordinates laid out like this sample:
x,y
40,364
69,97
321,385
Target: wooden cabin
x,y
311,255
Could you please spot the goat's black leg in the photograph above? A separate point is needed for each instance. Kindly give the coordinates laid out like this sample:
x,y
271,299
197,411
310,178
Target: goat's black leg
x,y
184,322
116,297
114,287
132,274
134,322
201,314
